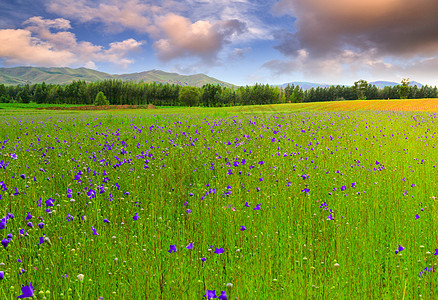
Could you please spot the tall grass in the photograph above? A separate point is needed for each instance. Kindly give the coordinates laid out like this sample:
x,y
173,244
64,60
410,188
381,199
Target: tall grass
x,y
339,194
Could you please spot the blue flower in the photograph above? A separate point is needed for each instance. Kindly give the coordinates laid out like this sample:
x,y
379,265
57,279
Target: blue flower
x,y
257,206
218,250
27,291
242,228
400,248
5,242
172,249
223,296
210,294
190,246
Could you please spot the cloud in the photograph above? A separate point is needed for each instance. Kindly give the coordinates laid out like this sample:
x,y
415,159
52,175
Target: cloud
x,y
239,53
393,27
356,36
37,44
116,15
17,46
202,38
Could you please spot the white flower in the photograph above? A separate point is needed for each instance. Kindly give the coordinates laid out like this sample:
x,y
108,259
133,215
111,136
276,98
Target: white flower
x,y
81,277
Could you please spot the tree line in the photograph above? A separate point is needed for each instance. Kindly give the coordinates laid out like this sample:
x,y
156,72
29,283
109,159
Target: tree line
x,y
119,92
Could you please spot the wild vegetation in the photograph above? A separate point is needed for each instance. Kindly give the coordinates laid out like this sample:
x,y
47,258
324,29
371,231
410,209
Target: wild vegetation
x,y
329,204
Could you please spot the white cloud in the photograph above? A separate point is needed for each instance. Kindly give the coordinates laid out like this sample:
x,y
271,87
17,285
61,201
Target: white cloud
x,y
202,38
17,46
36,44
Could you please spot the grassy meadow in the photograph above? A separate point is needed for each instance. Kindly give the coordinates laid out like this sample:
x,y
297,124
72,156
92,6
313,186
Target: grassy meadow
x,y
296,201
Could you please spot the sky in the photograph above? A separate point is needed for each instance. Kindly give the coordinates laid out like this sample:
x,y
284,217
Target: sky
x,y
241,42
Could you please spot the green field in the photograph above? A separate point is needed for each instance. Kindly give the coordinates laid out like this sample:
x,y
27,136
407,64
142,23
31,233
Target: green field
x,y
295,201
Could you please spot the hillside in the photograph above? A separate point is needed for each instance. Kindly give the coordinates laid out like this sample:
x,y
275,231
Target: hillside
x,y
175,78
30,75
379,84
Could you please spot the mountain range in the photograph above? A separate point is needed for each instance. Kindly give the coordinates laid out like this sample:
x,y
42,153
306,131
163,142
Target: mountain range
x,y
378,84
31,75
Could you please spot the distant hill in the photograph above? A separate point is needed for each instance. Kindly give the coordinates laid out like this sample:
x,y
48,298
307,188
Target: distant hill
x,y
378,84
305,85
31,75
382,84
175,78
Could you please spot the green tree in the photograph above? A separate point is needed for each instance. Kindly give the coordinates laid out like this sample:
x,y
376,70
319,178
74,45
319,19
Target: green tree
x,y
189,95
24,96
404,88
41,93
101,99
361,87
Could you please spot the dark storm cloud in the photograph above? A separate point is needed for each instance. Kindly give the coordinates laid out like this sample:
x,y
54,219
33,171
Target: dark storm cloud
x,y
402,28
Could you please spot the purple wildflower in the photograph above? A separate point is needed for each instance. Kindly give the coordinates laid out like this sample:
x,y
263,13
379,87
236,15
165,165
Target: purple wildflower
x,y
27,291
5,242
172,249
223,296
218,250
210,294
400,248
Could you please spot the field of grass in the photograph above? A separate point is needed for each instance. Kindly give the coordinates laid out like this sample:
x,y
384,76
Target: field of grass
x,y
294,201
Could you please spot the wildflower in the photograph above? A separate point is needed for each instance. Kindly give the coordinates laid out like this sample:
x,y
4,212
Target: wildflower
x,y
41,240
81,277
223,296
203,259
106,221
27,291
246,204
2,223
94,231
330,217
188,210
29,216
135,217
242,228
257,206
2,275
49,202
306,190
210,294
417,217
400,248
69,217
41,225
29,224
172,249
219,250
190,246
